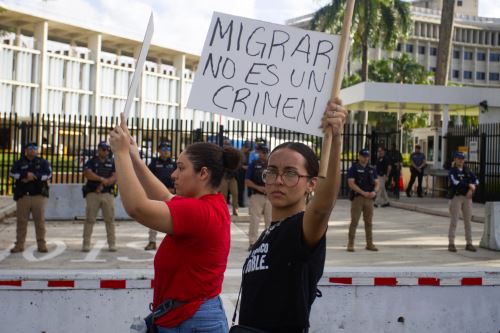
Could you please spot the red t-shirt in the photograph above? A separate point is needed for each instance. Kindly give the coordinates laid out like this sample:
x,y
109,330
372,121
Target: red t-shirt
x,y
190,264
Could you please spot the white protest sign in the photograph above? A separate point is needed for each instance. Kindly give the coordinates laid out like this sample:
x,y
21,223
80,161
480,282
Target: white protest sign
x,y
139,66
268,73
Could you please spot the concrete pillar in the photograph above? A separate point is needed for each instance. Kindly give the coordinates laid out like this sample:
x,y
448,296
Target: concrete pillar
x,y
444,131
41,35
180,65
95,44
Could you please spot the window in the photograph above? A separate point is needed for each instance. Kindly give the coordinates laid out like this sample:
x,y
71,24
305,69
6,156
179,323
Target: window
x,y
456,54
467,55
481,56
421,50
494,76
432,69
494,56
433,51
467,75
480,75
398,47
459,3
456,74
409,48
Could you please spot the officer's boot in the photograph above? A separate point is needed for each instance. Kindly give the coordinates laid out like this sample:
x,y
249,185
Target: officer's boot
x,y
352,234
42,246
110,233
369,238
17,248
87,234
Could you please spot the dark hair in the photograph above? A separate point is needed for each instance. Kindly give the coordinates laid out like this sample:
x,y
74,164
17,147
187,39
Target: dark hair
x,y
312,164
216,159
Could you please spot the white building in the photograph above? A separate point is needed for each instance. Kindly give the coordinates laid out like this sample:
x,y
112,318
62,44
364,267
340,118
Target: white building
x,y
475,55
48,66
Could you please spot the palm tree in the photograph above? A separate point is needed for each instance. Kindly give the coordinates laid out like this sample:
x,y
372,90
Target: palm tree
x,y
407,70
374,23
445,38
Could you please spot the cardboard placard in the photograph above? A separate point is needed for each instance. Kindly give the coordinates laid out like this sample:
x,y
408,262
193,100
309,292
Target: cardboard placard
x,y
263,72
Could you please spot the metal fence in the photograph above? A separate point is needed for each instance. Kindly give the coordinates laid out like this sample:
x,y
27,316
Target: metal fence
x,y
482,144
67,142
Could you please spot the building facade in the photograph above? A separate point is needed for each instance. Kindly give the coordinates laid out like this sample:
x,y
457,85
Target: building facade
x,y
475,55
51,67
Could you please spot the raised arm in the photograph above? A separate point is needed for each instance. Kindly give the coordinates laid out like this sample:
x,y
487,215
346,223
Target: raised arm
x,y
153,187
325,195
153,214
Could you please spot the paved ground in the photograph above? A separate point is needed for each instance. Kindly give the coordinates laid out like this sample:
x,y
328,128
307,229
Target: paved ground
x,y
405,239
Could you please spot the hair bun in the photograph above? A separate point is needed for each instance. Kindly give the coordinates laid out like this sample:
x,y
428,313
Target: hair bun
x,y
231,158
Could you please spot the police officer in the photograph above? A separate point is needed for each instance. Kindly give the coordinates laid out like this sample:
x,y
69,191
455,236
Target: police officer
x,y
418,164
99,193
383,170
363,182
162,167
462,187
396,164
31,190
229,184
259,204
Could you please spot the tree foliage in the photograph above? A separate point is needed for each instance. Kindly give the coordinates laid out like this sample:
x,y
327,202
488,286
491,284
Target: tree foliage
x,y
375,23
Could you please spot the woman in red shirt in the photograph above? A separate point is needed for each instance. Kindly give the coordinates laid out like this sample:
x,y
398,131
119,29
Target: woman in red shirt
x,y
190,262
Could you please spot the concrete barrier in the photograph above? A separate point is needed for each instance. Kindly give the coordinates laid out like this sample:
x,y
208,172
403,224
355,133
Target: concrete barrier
x,y
491,234
66,202
354,300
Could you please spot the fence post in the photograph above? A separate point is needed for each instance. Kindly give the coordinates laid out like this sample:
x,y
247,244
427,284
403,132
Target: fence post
x,y
482,168
221,135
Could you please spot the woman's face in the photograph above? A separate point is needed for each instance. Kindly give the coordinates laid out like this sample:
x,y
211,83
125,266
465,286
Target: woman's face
x,y
188,183
280,195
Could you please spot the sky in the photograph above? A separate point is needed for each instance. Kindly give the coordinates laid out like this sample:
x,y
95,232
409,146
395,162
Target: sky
x,y
180,24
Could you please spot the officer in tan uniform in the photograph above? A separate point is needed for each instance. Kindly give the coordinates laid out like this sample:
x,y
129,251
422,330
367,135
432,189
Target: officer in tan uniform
x,y
31,190
99,194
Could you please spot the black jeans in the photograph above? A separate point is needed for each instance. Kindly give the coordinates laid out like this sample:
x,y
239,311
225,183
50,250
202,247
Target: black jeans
x,y
394,177
415,174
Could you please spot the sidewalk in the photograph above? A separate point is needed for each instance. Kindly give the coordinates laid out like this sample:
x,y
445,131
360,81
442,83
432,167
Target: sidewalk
x,y
434,206
426,205
7,206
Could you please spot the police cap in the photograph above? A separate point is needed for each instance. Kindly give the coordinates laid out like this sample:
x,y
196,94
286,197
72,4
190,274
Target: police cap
x,y
165,145
262,147
459,154
31,145
364,152
103,145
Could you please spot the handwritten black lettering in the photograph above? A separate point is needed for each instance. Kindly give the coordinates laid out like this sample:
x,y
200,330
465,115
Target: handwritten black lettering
x,y
228,68
275,43
217,93
307,51
262,45
254,71
312,78
324,53
296,85
218,27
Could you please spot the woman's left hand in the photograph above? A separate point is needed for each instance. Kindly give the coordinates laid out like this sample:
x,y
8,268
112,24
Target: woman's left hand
x,y
119,141
334,118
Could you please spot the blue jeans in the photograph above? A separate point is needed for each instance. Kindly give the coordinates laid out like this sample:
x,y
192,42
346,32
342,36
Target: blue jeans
x,y
210,318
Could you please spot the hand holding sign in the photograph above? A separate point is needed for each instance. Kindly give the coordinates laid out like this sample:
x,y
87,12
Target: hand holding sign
x,y
334,118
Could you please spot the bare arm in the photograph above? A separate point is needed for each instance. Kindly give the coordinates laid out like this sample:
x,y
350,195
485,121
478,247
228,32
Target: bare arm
x,y
154,188
91,175
251,184
326,191
153,214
